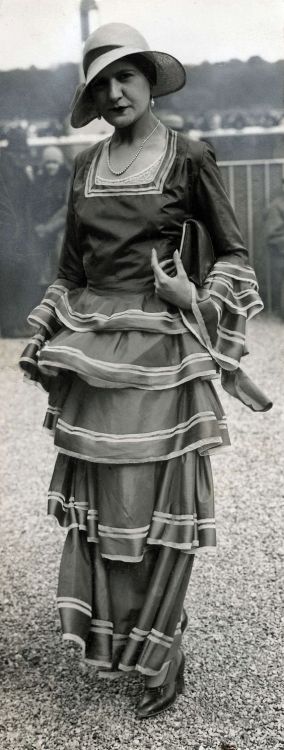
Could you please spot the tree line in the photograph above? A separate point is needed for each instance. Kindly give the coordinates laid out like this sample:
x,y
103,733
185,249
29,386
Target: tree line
x,y
256,84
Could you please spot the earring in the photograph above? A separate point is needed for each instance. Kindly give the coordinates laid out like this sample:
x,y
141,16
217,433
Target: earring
x,y
152,101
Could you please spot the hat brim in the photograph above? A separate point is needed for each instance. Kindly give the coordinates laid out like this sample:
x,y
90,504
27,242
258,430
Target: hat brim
x,y
170,73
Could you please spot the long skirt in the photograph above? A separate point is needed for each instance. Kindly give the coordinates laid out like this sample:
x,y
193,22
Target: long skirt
x,y
132,531
135,416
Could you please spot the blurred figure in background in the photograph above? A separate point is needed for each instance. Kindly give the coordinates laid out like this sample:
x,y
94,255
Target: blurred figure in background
x,y
274,233
48,207
16,247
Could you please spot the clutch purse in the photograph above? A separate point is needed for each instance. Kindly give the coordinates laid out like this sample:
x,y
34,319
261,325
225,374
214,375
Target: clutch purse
x,y
196,251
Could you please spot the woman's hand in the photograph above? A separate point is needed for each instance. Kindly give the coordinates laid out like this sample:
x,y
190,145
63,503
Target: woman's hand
x,y
176,290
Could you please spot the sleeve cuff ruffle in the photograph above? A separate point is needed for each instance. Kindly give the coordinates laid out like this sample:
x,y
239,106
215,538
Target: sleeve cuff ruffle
x,y
233,291
44,314
232,299
28,361
44,319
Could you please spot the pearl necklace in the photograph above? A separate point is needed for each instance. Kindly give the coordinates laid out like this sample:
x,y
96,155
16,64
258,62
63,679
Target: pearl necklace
x,y
121,171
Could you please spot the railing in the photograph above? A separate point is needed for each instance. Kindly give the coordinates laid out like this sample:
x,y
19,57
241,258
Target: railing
x,y
251,185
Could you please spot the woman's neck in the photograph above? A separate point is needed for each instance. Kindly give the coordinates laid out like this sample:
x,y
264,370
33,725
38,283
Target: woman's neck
x,y
135,132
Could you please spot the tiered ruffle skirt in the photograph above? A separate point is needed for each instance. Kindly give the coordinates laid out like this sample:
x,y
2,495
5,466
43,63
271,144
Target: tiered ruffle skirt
x,y
134,415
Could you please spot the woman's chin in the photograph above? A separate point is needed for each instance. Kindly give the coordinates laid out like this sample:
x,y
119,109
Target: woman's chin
x,y
121,119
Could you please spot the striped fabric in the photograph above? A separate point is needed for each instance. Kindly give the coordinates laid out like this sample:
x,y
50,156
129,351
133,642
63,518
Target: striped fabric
x,y
93,615
175,504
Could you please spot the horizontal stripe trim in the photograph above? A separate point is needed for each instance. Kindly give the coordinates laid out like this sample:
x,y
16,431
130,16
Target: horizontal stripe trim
x,y
225,265
175,545
206,520
50,304
175,516
97,629
105,623
213,442
204,374
122,558
74,599
140,632
73,606
159,641
233,339
132,313
119,529
120,637
207,527
159,634
126,368
233,306
35,320
231,333
111,535
171,522
136,437
57,288
220,273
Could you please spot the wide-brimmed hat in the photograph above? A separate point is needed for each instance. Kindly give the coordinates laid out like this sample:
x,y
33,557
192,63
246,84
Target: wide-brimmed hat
x,y
110,43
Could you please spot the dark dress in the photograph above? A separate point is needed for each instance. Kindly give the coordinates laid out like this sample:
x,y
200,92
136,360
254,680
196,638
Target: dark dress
x,y
132,404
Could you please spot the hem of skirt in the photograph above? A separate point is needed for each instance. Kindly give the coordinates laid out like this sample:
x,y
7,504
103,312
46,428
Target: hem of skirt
x,y
215,443
76,639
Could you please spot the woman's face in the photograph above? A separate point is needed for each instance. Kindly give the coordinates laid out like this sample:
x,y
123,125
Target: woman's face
x,y
51,167
122,93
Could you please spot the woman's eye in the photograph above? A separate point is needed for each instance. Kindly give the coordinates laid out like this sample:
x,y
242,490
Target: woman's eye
x,y
124,76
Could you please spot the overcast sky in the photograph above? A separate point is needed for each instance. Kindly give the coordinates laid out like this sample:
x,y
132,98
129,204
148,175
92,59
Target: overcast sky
x,y
47,32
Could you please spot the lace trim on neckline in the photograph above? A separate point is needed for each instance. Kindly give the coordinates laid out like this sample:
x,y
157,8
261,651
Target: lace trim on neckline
x,y
153,182
148,174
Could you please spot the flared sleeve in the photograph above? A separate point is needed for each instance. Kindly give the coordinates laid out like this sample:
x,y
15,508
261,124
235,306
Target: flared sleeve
x,y
229,297
71,274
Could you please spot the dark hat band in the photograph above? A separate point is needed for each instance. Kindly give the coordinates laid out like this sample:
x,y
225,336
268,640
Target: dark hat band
x,y
93,54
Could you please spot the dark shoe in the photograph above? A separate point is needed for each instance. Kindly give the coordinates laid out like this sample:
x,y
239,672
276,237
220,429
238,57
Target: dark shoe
x,y
157,699
184,621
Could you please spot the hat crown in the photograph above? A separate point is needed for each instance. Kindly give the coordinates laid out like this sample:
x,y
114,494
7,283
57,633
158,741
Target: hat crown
x,y
116,34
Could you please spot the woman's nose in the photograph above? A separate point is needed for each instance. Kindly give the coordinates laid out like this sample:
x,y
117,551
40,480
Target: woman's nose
x,y
114,89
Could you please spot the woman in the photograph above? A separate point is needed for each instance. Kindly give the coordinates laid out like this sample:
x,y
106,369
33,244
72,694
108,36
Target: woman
x,y
129,372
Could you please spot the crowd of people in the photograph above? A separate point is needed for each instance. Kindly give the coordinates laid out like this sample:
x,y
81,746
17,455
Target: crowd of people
x,y
236,119
32,217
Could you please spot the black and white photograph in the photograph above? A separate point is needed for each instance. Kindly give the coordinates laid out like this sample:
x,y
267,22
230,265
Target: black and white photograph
x,y
142,355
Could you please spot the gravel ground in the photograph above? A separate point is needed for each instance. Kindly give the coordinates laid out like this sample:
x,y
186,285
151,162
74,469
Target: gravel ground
x,y
49,698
